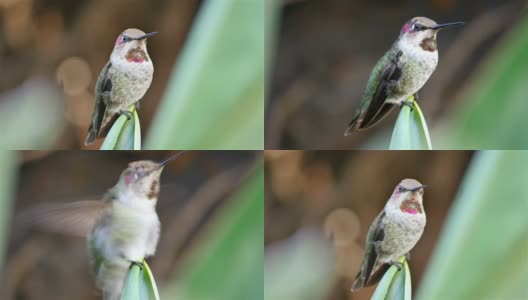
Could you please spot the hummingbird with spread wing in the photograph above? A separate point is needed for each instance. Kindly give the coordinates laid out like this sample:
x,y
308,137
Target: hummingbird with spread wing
x,y
121,229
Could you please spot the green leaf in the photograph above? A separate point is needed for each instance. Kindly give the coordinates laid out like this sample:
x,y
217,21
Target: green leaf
x,y
8,174
125,134
140,284
493,113
228,264
215,98
395,284
483,247
410,131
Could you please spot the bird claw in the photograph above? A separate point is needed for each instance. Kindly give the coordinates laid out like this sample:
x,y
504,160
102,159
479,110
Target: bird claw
x,y
126,113
409,104
137,105
137,263
397,264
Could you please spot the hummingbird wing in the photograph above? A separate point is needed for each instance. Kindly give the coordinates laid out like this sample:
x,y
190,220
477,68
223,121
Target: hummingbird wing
x,y
375,235
103,87
378,108
76,218
373,107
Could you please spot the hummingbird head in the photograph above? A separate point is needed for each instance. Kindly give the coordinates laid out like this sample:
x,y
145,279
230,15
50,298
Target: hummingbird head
x,y
421,32
408,196
142,177
131,46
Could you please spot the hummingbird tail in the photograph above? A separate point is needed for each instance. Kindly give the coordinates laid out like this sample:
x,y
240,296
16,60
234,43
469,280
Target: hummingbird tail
x,y
349,130
91,137
352,125
359,282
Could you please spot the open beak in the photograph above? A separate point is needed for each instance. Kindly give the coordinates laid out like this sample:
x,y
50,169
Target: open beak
x,y
145,36
440,26
163,163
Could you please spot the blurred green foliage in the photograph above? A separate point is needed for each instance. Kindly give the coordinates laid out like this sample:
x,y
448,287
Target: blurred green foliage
x,y
31,116
8,165
299,268
228,264
482,251
410,131
495,111
215,98
125,134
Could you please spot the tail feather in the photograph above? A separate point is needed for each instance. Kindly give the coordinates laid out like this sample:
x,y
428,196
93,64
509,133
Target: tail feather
x,y
359,282
352,125
91,137
369,279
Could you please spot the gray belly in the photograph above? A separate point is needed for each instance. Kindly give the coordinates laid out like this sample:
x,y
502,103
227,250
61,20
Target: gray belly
x,y
401,236
128,89
415,74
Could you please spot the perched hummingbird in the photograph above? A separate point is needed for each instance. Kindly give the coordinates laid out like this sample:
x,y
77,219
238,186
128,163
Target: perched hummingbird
x,y
122,82
121,229
393,233
400,73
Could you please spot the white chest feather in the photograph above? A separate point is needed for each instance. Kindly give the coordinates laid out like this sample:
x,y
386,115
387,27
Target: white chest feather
x,y
417,66
128,234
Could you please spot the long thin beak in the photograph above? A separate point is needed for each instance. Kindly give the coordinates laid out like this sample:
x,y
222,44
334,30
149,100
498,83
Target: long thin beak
x,y
163,163
145,36
440,26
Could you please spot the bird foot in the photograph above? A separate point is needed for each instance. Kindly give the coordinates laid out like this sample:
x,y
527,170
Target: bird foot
x,y
397,264
127,114
137,263
137,105
409,104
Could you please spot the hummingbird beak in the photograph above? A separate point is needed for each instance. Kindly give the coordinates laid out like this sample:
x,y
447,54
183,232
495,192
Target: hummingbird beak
x,y
145,36
440,26
163,163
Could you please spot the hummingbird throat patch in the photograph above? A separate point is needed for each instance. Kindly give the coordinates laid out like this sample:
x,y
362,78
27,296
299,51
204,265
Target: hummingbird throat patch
x,y
411,207
136,55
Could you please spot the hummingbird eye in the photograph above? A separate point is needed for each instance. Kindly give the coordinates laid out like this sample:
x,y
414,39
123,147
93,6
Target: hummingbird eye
x,y
125,38
401,189
417,27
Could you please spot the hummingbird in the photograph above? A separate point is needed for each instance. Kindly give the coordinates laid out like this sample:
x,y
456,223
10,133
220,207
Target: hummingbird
x,y
394,232
121,229
123,81
400,73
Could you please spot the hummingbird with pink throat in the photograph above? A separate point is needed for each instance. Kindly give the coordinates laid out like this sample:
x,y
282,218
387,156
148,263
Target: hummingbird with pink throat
x,y
394,232
123,81
121,229
400,73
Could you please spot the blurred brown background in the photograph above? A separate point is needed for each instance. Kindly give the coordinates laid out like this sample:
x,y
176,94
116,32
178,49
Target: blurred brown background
x,y
341,192
67,43
43,265
327,49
